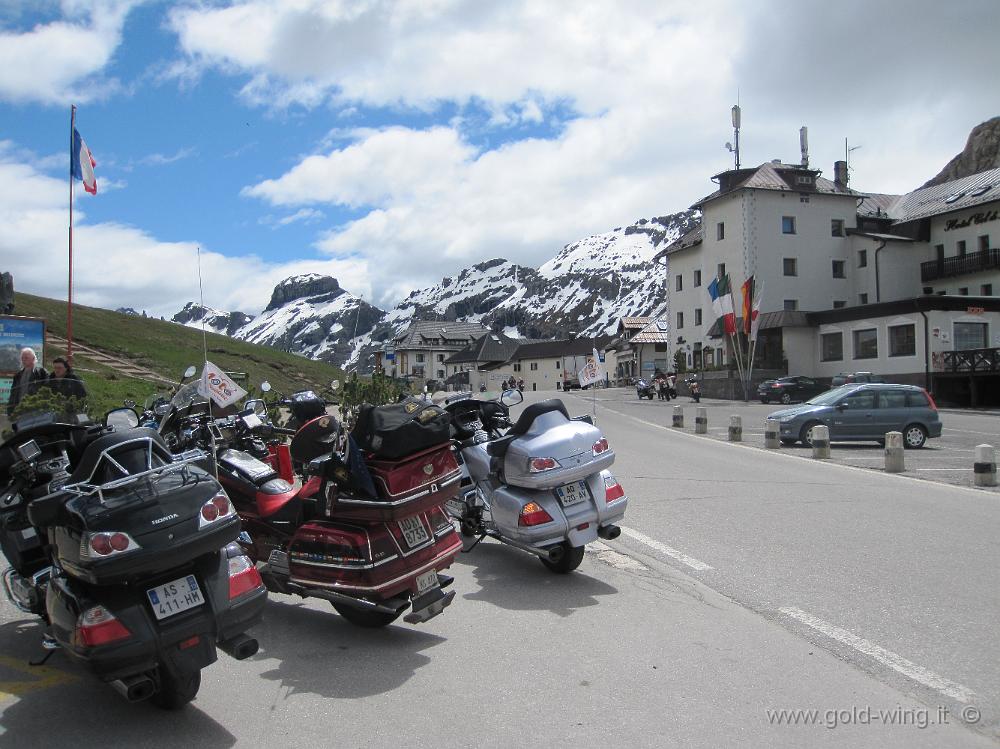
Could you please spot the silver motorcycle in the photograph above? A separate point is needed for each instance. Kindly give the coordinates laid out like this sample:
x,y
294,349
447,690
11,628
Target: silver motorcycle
x,y
540,484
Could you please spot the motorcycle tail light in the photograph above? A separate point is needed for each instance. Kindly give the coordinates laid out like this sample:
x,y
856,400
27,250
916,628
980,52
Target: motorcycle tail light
x,y
601,446
613,491
537,465
243,576
98,626
217,508
439,521
106,544
533,514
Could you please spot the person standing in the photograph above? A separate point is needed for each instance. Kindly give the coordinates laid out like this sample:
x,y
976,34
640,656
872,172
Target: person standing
x,y
27,380
65,381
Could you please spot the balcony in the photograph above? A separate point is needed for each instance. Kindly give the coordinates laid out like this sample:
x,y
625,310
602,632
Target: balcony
x,y
979,360
960,265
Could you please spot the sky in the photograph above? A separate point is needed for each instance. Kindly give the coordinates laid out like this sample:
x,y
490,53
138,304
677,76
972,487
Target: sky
x,y
390,144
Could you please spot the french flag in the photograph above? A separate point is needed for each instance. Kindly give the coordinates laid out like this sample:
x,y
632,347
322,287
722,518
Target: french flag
x,y
82,164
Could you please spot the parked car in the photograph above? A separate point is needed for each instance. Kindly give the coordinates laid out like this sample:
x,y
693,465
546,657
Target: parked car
x,y
763,389
789,389
848,379
863,412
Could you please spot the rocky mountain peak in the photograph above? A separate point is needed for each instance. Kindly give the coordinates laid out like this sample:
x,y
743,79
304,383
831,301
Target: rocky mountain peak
x,y
305,286
981,152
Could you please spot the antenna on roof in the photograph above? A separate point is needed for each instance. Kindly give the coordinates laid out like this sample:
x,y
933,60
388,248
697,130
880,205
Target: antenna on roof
x,y
736,135
804,145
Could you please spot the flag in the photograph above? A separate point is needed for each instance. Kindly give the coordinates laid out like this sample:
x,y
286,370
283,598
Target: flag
x,y
215,384
747,290
81,163
713,291
592,371
726,297
755,317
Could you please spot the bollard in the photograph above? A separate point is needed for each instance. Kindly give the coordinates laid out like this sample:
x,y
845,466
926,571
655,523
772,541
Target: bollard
x,y
771,439
985,467
701,421
821,441
735,429
894,462
678,417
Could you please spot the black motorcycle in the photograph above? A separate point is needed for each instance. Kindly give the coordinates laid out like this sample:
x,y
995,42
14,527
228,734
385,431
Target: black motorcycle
x,y
645,389
127,553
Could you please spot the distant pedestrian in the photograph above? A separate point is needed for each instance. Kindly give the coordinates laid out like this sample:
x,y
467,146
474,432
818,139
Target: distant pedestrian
x,y
671,385
662,390
27,380
695,391
64,380
520,384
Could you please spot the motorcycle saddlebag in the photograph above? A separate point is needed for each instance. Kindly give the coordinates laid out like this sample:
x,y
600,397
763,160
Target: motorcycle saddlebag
x,y
392,431
405,487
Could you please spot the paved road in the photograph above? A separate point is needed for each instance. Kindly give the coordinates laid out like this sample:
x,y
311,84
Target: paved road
x,y
747,581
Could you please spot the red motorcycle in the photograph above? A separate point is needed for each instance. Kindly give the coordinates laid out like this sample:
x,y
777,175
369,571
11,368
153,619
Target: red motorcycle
x,y
372,554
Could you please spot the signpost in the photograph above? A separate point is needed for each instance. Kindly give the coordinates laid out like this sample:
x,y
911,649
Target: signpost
x,y
17,333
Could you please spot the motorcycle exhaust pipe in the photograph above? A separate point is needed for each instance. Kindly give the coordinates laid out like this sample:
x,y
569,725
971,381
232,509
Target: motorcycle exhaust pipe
x,y
135,688
551,553
609,532
240,647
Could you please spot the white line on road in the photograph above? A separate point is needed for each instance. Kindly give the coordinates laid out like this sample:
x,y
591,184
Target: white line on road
x,y
886,657
664,549
969,431
616,559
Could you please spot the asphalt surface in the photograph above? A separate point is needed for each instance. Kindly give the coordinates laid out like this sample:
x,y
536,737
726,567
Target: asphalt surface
x,y
747,581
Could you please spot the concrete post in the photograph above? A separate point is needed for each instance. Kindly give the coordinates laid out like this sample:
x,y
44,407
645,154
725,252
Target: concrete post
x,y
771,431
985,467
735,429
894,462
701,421
678,417
821,441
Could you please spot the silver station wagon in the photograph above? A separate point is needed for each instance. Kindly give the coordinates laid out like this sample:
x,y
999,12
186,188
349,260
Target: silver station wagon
x,y
863,412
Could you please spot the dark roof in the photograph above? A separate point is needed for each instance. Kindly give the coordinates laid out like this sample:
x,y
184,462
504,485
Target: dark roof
x,y
422,331
779,319
657,331
900,306
569,347
956,195
774,176
492,347
689,239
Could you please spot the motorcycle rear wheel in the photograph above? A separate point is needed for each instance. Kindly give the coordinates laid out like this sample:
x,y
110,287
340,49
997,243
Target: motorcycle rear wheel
x,y
177,687
366,619
570,559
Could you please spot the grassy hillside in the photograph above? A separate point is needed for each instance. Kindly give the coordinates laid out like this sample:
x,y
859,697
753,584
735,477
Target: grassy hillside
x,y
165,348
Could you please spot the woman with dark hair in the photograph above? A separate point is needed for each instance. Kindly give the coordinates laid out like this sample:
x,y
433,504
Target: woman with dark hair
x,y
64,380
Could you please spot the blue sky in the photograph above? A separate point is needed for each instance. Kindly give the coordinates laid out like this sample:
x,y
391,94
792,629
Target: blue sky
x,y
391,143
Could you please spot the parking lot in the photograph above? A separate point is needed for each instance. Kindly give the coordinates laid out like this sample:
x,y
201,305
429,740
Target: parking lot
x,y
947,459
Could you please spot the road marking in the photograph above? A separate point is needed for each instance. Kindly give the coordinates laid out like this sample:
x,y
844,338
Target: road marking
x,y
969,431
886,657
616,559
664,549
43,677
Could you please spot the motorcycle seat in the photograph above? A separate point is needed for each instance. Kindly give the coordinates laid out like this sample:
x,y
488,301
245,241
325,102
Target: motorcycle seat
x,y
498,448
535,410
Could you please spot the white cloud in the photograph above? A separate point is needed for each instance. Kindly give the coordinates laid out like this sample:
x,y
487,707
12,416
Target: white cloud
x,y
62,61
159,159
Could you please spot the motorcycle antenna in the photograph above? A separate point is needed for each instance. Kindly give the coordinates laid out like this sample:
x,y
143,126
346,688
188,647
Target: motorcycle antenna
x,y
204,333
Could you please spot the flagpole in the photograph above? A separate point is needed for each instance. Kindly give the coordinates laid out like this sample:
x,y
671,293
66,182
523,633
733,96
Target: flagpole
x,y
204,334
69,302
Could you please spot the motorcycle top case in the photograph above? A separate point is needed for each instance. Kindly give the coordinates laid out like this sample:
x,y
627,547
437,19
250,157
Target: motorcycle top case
x,y
405,487
552,435
392,431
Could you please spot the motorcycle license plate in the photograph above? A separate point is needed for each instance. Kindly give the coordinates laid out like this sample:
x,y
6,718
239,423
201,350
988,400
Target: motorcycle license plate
x,y
413,530
174,597
426,581
572,494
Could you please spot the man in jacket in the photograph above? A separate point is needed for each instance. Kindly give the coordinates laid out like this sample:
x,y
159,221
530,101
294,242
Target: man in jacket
x,y
65,381
27,380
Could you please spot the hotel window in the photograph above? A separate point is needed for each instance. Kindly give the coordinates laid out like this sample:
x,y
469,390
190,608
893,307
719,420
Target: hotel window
x,y
838,269
679,282
831,346
534,366
557,364
902,340
680,319
862,258
720,230
984,242
420,358
939,252
838,304
722,270
866,344
790,266
837,227
963,291
986,290
960,247
862,299
791,305
788,224
697,316
697,278
517,367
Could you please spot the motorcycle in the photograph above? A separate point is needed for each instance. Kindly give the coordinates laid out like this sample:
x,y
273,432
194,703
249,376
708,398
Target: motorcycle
x,y
126,552
645,389
540,484
372,555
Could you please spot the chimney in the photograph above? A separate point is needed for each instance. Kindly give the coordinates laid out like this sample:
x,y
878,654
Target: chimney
x,y
840,174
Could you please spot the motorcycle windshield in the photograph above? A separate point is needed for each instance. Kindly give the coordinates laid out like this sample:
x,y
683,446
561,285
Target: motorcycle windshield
x,y
187,395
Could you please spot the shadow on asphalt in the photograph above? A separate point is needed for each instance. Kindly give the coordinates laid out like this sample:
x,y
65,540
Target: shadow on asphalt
x,y
319,652
516,580
61,704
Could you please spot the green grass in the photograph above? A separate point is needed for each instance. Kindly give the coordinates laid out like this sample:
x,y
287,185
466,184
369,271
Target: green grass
x,y
165,348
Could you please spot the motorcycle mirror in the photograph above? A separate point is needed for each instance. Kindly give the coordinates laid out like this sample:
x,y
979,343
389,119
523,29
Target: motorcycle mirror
x,y
265,387
259,407
511,397
121,417
189,372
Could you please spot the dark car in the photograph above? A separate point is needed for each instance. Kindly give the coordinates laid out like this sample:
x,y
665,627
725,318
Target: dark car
x,y
863,412
790,389
849,379
763,389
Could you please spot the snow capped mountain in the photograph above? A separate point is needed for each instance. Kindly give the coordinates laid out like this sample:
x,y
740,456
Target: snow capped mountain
x,y
226,323
584,289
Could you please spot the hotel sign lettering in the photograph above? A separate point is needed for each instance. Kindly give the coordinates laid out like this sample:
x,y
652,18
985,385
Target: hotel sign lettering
x,y
975,218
